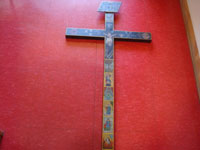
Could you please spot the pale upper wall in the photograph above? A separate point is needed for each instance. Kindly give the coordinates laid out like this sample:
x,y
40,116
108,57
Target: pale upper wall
x,y
194,8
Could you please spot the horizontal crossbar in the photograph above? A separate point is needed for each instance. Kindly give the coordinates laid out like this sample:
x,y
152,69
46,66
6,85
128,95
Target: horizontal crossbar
x,y
119,35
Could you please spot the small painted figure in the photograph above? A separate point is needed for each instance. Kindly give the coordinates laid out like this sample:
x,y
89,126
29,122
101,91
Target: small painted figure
x,y
109,42
107,125
108,80
108,93
107,143
109,39
108,110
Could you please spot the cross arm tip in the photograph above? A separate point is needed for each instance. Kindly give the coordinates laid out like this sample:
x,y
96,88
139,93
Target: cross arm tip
x,y
137,36
84,33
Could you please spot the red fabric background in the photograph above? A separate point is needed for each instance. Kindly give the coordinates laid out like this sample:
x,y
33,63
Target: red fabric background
x,y
51,88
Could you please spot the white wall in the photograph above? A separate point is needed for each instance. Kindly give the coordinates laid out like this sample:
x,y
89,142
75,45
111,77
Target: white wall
x,y
194,8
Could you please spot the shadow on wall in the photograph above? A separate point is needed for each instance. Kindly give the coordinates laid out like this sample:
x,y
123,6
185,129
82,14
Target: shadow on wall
x,y
1,136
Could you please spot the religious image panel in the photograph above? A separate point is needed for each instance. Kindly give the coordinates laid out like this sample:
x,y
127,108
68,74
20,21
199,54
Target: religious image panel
x,y
108,141
108,65
108,79
108,125
108,93
108,108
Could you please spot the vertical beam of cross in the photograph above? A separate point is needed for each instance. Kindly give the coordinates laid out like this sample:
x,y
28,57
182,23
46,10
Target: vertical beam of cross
x,y
108,92
109,34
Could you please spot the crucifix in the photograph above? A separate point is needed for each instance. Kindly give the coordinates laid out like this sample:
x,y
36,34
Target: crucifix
x,y
109,34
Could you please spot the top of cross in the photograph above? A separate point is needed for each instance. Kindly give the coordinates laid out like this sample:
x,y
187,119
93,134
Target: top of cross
x,y
109,8
112,7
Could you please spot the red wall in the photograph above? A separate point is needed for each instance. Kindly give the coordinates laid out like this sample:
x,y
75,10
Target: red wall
x,y
51,88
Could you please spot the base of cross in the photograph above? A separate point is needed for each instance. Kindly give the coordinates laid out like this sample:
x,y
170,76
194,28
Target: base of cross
x,y
1,135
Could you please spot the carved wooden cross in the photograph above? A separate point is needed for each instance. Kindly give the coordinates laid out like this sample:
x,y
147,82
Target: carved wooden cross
x,y
109,34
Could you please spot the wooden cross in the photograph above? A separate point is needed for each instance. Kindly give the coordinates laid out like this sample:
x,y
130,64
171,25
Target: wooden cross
x,y
109,34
